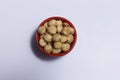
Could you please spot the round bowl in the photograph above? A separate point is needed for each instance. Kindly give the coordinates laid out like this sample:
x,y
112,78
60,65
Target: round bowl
x,y
72,44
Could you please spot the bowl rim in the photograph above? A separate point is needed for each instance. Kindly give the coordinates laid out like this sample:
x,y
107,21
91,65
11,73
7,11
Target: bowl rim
x,y
64,20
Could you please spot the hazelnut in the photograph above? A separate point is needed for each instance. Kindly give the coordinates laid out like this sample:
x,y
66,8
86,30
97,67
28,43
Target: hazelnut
x,y
58,23
65,47
70,38
48,48
71,30
56,51
56,37
42,42
63,38
59,28
57,45
47,37
66,24
66,31
52,23
41,30
52,29
46,25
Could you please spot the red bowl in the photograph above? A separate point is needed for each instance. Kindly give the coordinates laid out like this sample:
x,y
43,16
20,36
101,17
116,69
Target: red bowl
x,y
72,44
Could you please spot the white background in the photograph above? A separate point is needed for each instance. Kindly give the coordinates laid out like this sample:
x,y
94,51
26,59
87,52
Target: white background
x,y
96,56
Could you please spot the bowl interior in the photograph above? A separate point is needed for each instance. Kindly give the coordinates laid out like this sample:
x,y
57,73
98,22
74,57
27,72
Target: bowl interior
x,y
72,44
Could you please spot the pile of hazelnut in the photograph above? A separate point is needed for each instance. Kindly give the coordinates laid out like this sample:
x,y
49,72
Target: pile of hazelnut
x,y
56,36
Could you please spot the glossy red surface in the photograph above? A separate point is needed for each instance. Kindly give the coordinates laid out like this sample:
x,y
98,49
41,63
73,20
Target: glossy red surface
x,y
72,44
